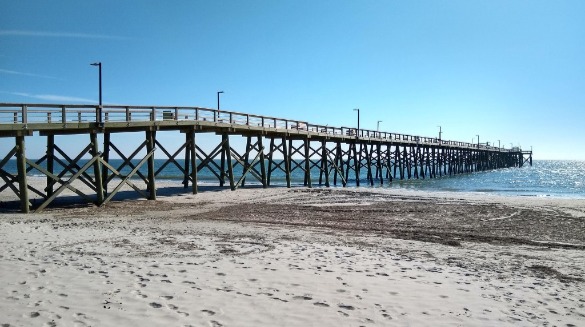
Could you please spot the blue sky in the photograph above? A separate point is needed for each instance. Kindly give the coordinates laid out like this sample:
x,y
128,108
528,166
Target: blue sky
x,y
506,70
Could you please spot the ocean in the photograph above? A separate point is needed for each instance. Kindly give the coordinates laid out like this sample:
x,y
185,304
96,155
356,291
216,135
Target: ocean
x,y
546,178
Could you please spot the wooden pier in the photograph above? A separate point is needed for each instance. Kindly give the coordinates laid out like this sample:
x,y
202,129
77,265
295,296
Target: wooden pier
x,y
339,154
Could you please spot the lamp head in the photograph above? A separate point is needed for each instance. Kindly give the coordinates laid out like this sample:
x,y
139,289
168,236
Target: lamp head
x,y
96,64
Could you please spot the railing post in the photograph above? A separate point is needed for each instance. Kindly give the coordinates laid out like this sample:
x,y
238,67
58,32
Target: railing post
x,y
63,115
48,117
128,117
24,114
176,113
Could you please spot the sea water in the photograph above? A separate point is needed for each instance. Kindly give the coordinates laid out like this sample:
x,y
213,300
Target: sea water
x,y
552,178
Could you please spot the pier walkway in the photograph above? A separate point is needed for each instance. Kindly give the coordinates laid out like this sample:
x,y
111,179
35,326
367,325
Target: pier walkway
x,y
337,154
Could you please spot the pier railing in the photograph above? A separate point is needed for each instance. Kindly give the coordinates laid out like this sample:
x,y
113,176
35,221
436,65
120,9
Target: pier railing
x,y
11,113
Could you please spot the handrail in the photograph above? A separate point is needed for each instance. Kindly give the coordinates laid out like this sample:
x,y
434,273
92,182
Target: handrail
x,y
24,113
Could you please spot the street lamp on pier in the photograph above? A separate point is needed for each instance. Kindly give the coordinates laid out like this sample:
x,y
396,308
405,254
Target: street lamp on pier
x,y
218,93
477,141
99,110
440,133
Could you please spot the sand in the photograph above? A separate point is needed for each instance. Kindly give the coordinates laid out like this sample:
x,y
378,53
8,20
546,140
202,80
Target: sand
x,y
296,257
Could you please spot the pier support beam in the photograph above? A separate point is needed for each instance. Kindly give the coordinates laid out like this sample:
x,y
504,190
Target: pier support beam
x,y
227,158
21,166
308,163
106,159
97,169
262,162
150,139
193,156
50,163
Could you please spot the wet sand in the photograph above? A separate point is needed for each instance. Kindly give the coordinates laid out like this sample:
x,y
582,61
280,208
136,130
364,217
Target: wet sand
x,y
297,257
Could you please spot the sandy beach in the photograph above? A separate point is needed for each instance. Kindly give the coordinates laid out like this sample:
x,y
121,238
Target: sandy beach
x,y
296,257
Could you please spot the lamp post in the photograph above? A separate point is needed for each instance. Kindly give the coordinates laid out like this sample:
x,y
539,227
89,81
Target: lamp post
x,y
477,141
358,127
218,93
499,144
378,127
99,110
440,132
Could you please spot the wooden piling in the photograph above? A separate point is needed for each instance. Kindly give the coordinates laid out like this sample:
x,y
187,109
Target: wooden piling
x,y
150,140
193,156
50,162
22,179
97,168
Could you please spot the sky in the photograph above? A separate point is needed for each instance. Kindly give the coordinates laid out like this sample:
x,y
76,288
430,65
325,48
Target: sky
x,y
512,71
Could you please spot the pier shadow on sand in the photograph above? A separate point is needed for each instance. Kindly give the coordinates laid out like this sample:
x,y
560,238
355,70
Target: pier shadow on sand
x,y
75,201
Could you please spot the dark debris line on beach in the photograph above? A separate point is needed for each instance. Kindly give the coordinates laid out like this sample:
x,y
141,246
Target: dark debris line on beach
x,y
447,224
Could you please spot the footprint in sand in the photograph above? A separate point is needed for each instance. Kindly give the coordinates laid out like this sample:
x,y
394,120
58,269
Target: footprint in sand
x,y
208,312
346,307
321,304
155,305
304,297
387,316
